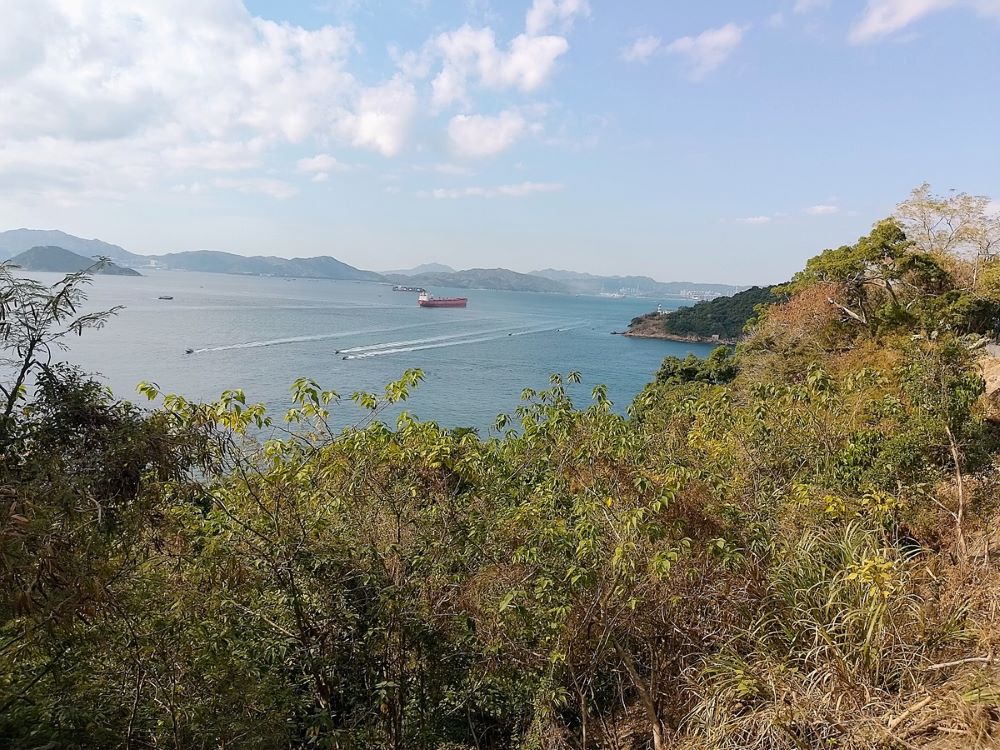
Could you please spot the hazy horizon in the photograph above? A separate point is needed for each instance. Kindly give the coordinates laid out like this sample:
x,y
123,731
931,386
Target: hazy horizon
x,y
676,143
383,270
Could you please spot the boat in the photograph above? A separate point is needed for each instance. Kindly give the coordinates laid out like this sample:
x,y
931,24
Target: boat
x,y
164,296
189,351
429,300
400,288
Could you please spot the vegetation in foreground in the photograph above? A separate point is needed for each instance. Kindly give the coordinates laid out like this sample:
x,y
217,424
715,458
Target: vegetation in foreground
x,y
786,546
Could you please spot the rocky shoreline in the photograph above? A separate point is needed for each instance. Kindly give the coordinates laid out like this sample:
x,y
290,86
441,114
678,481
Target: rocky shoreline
x,y
676,337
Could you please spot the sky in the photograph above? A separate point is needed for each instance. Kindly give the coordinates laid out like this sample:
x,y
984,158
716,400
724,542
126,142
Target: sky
x,y
721,141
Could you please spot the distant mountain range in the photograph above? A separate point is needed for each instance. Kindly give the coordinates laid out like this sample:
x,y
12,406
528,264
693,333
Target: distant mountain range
x,y
325,267
484,278
214,261
17,241
422,268
635,286
61,260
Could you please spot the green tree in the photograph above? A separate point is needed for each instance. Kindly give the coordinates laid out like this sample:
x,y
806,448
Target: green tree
x,y
35,319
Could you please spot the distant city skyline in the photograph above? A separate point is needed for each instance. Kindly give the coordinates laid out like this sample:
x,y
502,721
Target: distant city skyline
x,y
678,141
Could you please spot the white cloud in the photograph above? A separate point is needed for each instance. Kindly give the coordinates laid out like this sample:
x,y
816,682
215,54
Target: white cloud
x,y
454,170
383,117
544,13
470,54
216,155
321,164
822,210
885,17
808,6
120,96
480,135
755,220
642,49
707,51
518,190
117,96
445,168
257,185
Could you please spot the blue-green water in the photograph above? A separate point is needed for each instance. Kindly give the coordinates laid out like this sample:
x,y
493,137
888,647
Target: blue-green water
x,y
260,334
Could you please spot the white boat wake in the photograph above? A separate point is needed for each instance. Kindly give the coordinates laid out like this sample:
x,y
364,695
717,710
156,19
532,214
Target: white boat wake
x,y
379,352
300,339
414,342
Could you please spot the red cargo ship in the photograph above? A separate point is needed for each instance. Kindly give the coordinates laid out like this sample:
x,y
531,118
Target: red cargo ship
x,y
427,300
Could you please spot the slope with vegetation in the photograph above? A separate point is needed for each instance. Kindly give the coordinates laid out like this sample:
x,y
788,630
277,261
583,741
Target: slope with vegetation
x,y
788,545
722,319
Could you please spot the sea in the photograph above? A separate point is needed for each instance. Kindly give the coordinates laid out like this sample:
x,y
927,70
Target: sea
x,y
259,334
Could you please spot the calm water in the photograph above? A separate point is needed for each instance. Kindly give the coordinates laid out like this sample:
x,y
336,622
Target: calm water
x,y
260,334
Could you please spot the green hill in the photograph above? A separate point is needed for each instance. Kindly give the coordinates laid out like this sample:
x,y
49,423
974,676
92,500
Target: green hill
x,y
720,319
214,261
61,260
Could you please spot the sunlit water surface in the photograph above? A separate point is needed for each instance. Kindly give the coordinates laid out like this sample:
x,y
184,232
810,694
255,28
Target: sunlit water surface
x,y
260,334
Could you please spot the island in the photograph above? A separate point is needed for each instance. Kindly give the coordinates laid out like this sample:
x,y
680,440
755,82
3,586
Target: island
x,y
60,260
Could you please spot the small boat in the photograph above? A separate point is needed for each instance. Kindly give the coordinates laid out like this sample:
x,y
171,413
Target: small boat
x,y
164,296
401,288
427,300
189,351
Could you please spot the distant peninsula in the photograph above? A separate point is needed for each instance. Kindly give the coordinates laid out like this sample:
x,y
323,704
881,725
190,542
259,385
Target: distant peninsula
x,y
719,320
60,260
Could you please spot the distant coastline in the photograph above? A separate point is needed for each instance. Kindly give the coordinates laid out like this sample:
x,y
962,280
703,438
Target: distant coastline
x,y
427,275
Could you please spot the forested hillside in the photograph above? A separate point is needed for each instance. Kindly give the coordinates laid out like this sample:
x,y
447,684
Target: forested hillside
x,y
720,319
788,545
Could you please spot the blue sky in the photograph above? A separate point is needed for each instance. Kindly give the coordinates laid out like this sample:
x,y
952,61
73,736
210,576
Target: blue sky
x,y
724,141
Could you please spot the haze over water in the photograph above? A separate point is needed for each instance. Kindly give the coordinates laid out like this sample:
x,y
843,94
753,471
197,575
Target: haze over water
x,y
260,334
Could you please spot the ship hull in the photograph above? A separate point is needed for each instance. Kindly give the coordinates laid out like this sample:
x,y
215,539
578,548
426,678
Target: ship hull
x,y
444,302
